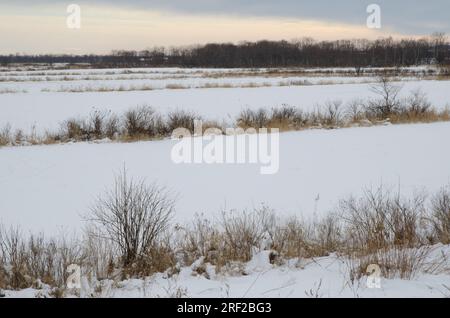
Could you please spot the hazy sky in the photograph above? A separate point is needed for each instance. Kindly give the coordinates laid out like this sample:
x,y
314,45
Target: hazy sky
x,y
33,26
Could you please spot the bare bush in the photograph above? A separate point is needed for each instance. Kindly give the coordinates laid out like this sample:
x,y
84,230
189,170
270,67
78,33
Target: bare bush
x,y
133,215
112,126
128,237
440,216
283,114
101,254
74,129
30,262
288,117
394,262
142,121
355,111
245,231
388,102
19,137
5,135
332,116
379,220
249,118
14,255
328,236
181,119
417,103
202,239
293,239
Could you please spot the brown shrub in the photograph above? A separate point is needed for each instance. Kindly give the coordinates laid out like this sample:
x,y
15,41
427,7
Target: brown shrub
x,y
440,216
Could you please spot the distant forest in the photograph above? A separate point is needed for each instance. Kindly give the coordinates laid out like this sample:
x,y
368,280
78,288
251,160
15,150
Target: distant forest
x,y
306,52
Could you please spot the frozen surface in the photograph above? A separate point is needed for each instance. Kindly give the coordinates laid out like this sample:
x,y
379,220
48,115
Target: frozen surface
x,y
45,110
49,187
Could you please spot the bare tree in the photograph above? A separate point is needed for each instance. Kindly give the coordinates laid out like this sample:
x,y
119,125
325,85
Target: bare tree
x,y
387,92
133,215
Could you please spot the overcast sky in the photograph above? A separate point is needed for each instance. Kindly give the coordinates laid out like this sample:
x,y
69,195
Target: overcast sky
x,y
33,26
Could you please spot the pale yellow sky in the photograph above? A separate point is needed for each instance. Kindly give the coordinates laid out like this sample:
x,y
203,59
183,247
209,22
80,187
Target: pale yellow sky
x,y
106,28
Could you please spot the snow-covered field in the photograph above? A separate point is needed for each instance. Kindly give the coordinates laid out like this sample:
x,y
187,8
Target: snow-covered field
x,y
45,110
47,187
50,189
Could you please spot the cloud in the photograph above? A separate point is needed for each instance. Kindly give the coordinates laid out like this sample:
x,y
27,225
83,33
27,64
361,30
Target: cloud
x,y
405,16
39,26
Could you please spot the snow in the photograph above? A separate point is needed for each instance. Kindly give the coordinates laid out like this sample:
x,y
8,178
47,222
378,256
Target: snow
x,y
45,110
297,278
50,188
48,110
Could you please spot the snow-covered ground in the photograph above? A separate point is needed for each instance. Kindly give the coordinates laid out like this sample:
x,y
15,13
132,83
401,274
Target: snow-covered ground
x,y
48,187
297,278
146,83
45,110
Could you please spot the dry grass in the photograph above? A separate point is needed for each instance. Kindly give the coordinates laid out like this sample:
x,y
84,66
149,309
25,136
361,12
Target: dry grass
x,y
217,85
181,119
440,216
378,228
133,218
100,89
5,135
143,123
176,86
32,261
394,262
12,91
94,77
380,220
334,114
179,86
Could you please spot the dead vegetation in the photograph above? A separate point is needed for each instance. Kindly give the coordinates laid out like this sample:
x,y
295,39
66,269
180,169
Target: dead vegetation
x,y
133,216
130,235
144,123
385,108
12,91
288,82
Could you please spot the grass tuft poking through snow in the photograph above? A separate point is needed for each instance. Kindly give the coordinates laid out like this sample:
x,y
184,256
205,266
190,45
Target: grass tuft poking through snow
x,y
130,237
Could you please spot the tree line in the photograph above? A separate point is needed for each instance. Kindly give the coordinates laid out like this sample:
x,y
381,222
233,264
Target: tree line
x,y
304,52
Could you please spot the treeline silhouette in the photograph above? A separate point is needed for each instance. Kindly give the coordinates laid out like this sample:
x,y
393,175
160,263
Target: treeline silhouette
x,y
306,52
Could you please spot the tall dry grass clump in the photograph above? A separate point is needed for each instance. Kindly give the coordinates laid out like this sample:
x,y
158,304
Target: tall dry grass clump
x,y
390,231
380,219
440,216
35,260
5,135
144,121
181,119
